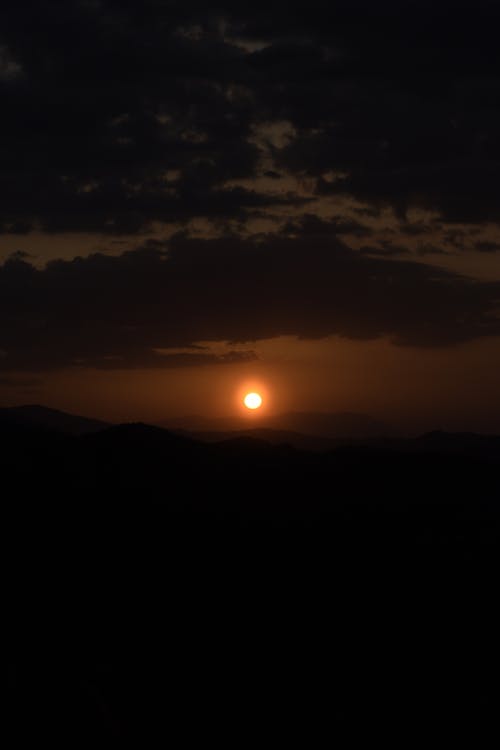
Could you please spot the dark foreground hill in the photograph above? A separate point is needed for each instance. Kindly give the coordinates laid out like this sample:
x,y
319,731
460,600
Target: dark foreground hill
x,y
165,591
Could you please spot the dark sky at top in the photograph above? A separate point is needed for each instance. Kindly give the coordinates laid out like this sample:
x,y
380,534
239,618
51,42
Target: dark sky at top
x,y
238,173
101,99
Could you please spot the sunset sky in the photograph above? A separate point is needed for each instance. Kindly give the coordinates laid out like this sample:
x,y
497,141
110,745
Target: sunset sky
x,y
297,198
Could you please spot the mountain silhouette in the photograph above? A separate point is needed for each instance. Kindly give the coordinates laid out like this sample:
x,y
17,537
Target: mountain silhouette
x,y
269,435
153,577
41,417
341,425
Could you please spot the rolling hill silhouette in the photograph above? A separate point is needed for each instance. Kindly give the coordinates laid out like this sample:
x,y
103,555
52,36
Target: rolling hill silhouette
x,y
41,417
342,425
153,578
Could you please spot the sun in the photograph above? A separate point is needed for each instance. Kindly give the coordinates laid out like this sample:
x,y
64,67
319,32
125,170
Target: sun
x,y
253,401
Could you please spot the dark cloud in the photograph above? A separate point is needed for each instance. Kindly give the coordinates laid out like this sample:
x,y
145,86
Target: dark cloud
x,y
385,250
403,106
140,357
128,311
488,247
416,229
119,120
457,238
119,114
427,248
310,225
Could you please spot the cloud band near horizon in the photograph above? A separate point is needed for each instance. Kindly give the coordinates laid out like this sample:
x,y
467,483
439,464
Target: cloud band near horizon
x,y
118,311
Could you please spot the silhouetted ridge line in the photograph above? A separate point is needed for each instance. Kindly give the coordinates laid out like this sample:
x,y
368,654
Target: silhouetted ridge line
x,y
40,417
342,425
141,431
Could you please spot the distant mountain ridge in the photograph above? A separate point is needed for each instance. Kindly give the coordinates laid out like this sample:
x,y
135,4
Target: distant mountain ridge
x,y
336,425
39,417
441,443
240,433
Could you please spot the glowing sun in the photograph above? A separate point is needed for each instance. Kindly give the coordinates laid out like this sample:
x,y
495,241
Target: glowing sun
x,y
253,401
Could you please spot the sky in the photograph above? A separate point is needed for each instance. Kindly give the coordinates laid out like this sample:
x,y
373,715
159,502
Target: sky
x,y
301,198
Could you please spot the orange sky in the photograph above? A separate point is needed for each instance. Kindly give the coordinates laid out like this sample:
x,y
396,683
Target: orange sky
x,y
415,389
298,188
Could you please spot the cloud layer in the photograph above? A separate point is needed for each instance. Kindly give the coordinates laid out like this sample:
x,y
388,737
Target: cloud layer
x,y
130,310
265,123
119,114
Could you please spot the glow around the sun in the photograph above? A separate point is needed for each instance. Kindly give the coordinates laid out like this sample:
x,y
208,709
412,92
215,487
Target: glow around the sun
x,y
253,400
